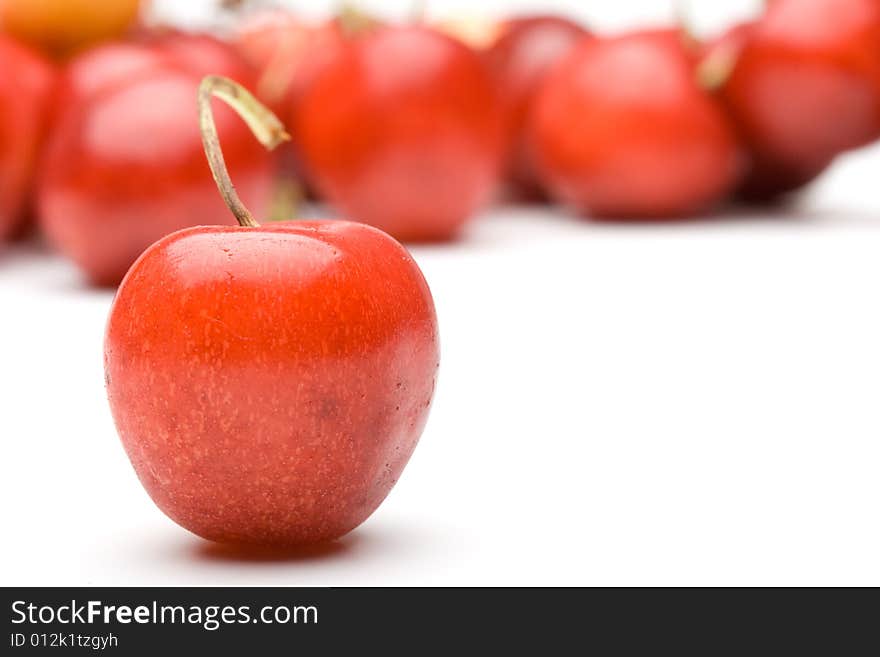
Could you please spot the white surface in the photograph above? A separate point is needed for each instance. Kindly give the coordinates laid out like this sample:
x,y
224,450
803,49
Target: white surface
x,y
685,404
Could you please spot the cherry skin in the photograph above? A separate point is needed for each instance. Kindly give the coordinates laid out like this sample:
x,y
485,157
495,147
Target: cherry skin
x,y
26,88
805,87
62,26
116,62
621,129
124,164
270,384
401,131
525,51
768,176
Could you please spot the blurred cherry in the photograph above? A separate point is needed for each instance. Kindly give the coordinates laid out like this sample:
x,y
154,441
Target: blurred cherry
x,y
401,131
288,53
804,87
768,176
622,129
526,49
124,164
115,62
26,85
60,27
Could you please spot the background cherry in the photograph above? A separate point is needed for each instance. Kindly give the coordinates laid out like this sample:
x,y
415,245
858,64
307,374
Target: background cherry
x,y
621,129
60,27
805,87
288,53
124,163
118,62
26,87
401,131
525,50
768,176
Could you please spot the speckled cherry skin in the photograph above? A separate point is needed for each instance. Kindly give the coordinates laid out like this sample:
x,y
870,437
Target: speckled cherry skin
x,y
26,87
622,130
402,131
269,384
806,87
526,49
124,164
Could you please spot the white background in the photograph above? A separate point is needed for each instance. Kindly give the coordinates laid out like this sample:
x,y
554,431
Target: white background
x,y
687,404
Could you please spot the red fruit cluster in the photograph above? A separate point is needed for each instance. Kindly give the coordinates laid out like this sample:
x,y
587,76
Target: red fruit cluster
x,y
413,130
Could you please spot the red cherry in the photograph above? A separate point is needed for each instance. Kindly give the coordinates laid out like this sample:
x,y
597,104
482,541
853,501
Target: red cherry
x,y
621,129
805,87
401,131
525,51
124,163
477,32
198,53
25,96
113,63
288,53
269,384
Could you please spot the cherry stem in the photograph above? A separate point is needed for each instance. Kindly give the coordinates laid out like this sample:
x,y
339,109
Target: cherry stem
x,y
267,128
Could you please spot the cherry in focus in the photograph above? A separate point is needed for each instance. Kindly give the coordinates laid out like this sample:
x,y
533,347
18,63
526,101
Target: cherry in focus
x,y
402,131
60,27
26,88
124,164
804,88
525,50
269,384
622,129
